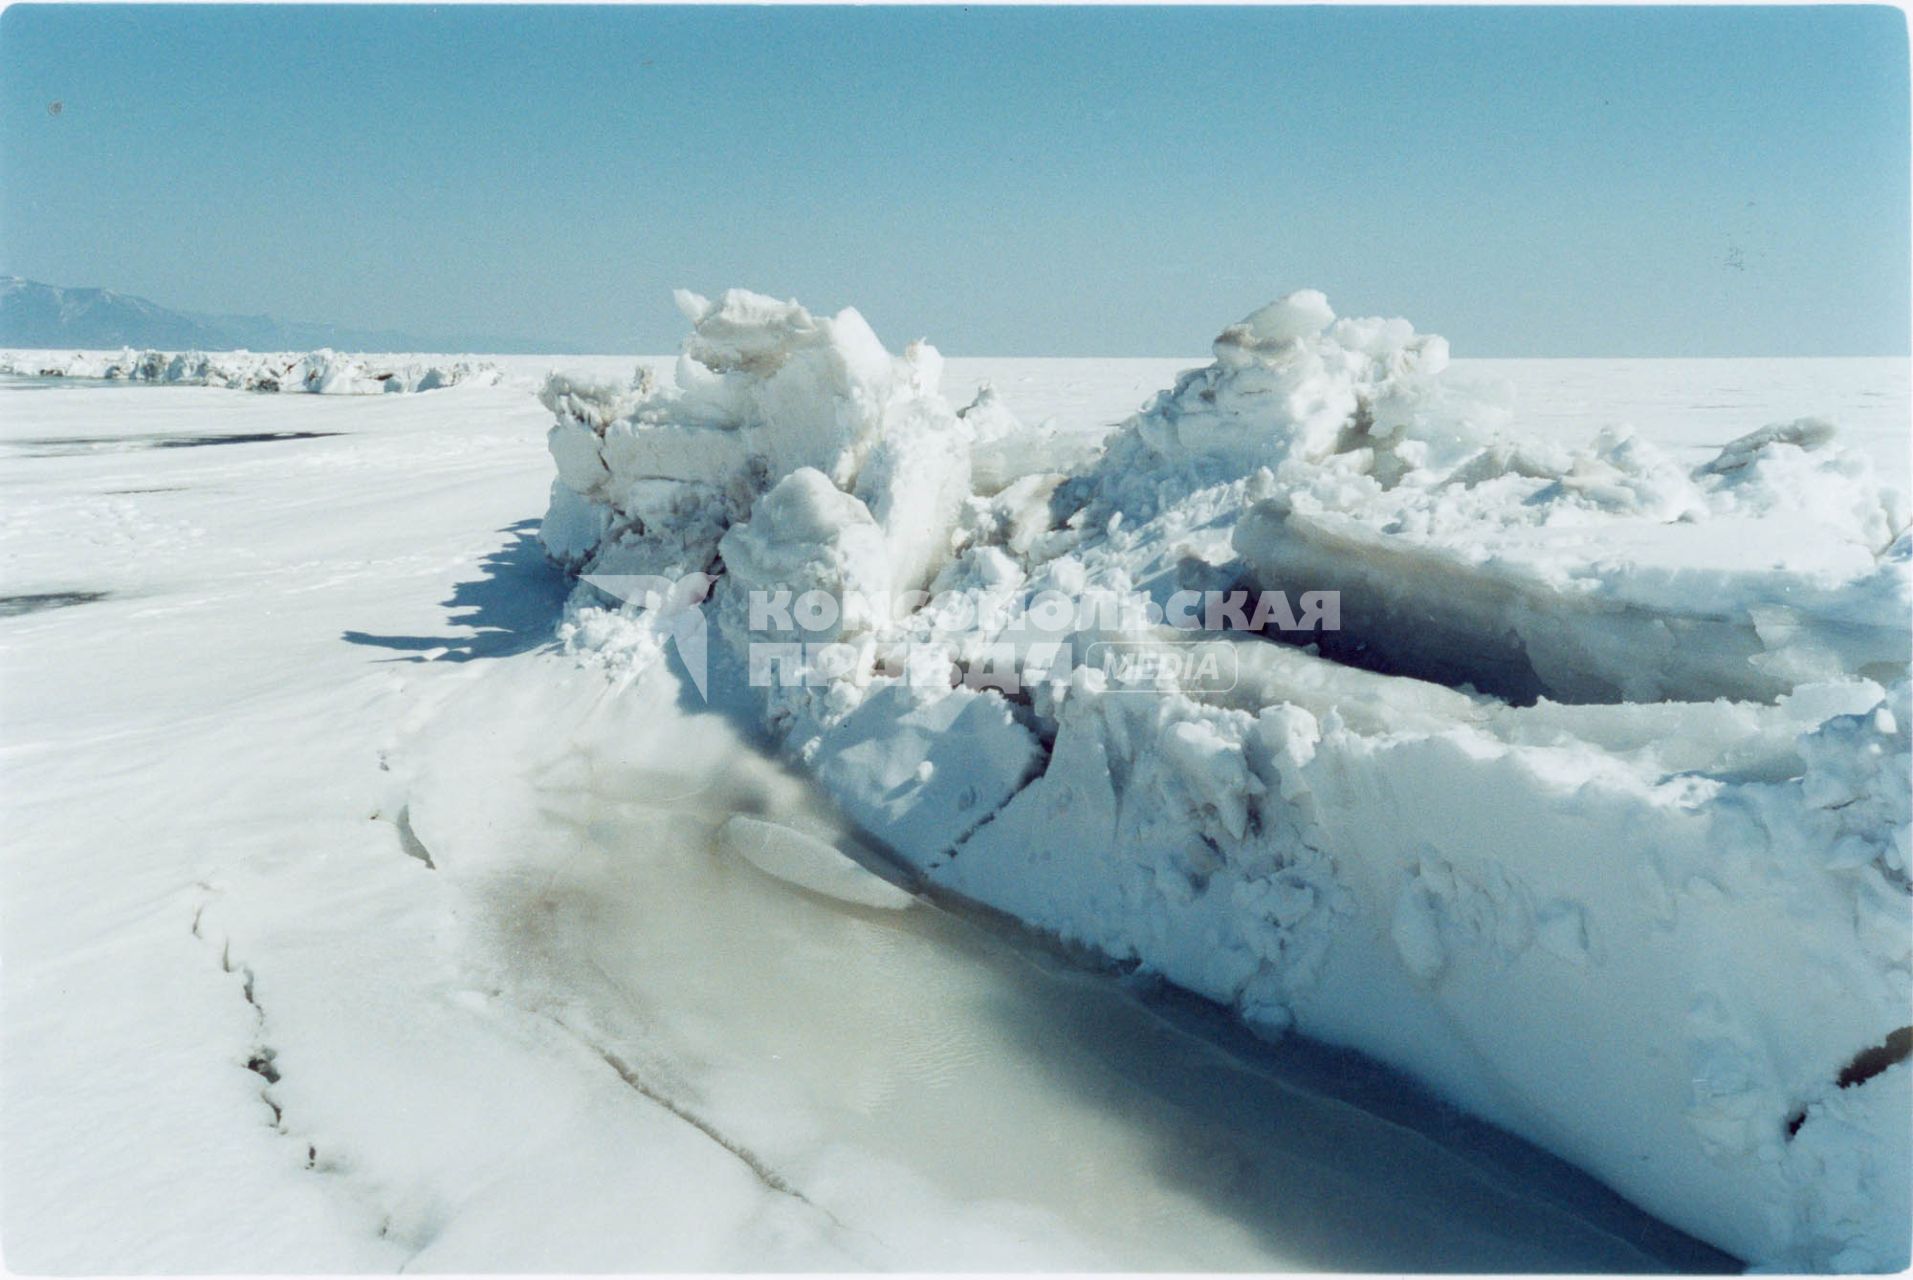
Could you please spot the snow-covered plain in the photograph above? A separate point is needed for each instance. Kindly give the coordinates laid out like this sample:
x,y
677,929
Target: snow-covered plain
x,y
349,923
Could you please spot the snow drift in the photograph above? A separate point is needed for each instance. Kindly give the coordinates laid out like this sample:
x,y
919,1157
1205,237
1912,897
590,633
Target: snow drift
x,y
323,372
1593,815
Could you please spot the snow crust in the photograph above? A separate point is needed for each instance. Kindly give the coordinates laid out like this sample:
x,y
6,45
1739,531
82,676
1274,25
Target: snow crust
x,y
322,372
1593,815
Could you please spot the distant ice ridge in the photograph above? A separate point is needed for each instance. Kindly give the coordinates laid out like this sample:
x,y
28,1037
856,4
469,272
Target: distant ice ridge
x,y
322,372
1594,816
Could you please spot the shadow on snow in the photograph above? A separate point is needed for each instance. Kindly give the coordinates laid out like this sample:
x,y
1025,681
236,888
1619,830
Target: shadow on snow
x,y
512,606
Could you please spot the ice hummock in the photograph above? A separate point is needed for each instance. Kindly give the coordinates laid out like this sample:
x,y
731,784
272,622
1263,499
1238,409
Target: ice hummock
x,y
1468,554
322,372
1593,816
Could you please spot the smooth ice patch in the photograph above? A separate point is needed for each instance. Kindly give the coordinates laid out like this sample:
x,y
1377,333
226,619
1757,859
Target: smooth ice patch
x,y
809,863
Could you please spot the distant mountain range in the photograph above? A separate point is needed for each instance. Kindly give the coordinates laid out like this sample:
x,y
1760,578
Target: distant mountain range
x,y
35,315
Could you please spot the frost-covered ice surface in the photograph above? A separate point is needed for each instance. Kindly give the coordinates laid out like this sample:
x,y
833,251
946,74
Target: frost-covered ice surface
x,y
346,924
322,372
1593,816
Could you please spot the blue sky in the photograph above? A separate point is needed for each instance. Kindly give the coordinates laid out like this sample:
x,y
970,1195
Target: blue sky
x,y
1043,181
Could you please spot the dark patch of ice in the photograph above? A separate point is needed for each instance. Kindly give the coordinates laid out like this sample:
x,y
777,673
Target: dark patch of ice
x,y
63,446
15,606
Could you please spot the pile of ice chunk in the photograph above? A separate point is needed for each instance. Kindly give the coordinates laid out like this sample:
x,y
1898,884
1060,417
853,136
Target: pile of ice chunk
x,y
1593,814
322,372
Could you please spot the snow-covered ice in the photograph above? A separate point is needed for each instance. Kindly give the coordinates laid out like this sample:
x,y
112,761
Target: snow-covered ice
x,y
351,922
1559,822
348,925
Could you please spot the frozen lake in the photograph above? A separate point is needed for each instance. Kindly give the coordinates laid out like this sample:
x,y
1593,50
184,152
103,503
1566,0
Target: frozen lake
x,y
348,927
